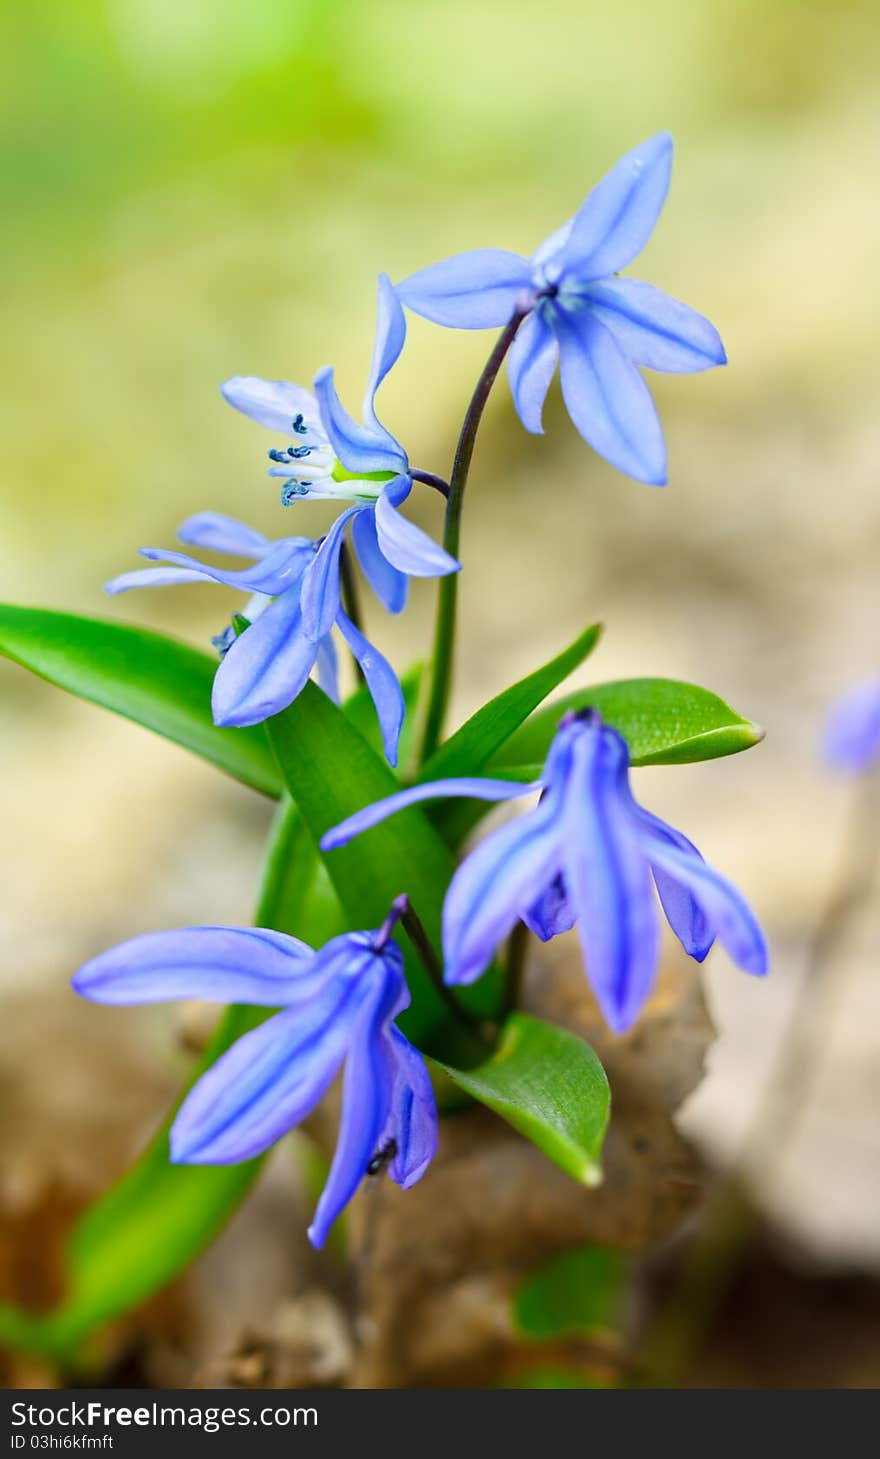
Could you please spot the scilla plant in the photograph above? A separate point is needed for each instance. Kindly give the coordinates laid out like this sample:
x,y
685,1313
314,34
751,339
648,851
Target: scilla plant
x,y
381,945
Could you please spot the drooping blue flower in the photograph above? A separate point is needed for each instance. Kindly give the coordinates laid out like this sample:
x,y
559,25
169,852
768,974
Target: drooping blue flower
x,y
337,1004
374,475
596,326
852,734
263,669
585,855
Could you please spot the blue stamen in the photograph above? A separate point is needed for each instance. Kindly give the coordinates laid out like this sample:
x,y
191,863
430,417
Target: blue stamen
x,y
296,453
279,456
299,426
223,642
293,489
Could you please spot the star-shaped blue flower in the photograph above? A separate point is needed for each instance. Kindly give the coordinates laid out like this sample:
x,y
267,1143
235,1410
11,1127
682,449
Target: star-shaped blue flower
x,y
337,1004
585,856
263,669
597,327
374,475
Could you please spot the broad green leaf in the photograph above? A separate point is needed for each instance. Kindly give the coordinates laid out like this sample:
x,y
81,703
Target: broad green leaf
x,y
550,1086
577,1291
331,772
664,722
157,1218
485,733
144,676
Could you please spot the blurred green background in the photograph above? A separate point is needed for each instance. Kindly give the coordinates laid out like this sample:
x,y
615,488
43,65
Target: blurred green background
x,y
197,189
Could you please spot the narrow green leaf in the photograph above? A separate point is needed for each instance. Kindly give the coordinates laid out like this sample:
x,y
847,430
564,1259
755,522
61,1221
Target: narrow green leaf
x,y
331,772
664,721
577,1291
550,1086
144,676
484,734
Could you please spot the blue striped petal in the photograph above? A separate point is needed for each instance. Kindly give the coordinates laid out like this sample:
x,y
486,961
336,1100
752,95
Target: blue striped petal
x,y
724,907
655,330
607,398
274,573
476,290
359,447
852,735
618,217
276,404
494,886
389,341
217,533
266,667
380,810
221,964
389,584
383,684
412,1118
405,545
366,1092
320,587
608,880
531,364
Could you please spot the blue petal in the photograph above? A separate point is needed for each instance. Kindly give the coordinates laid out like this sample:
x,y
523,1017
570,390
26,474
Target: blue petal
x,y
531,364
217,533
266,667
552,913
608,880
655,330
476,290
683,912
725,908
359,448
276,404
366,1098
327,669
221,964
275,573
618,217
380,810
495,885
155,577
852,735
608,400
412,1119
406,546
383,684
267,1082
320,587
389,341
390,586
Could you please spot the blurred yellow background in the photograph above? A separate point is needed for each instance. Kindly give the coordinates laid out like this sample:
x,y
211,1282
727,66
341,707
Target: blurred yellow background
x,y
198,189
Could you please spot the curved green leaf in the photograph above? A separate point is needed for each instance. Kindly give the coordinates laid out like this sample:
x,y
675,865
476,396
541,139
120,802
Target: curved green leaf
x,y
576,1291
550,1086
664,721
144,676
484,734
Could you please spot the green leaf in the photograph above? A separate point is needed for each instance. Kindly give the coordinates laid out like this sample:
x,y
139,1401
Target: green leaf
x,y
664,721
484,734
156,1219
550,1086
577,1291
148,678
404,854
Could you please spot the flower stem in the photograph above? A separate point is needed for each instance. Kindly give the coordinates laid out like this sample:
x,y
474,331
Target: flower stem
x,y
517,947
402,911
447,596
351,601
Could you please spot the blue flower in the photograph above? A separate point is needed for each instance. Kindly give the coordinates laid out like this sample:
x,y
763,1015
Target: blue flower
x,y
263,670
585,856
337,1004
332,457
598,327
852,735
